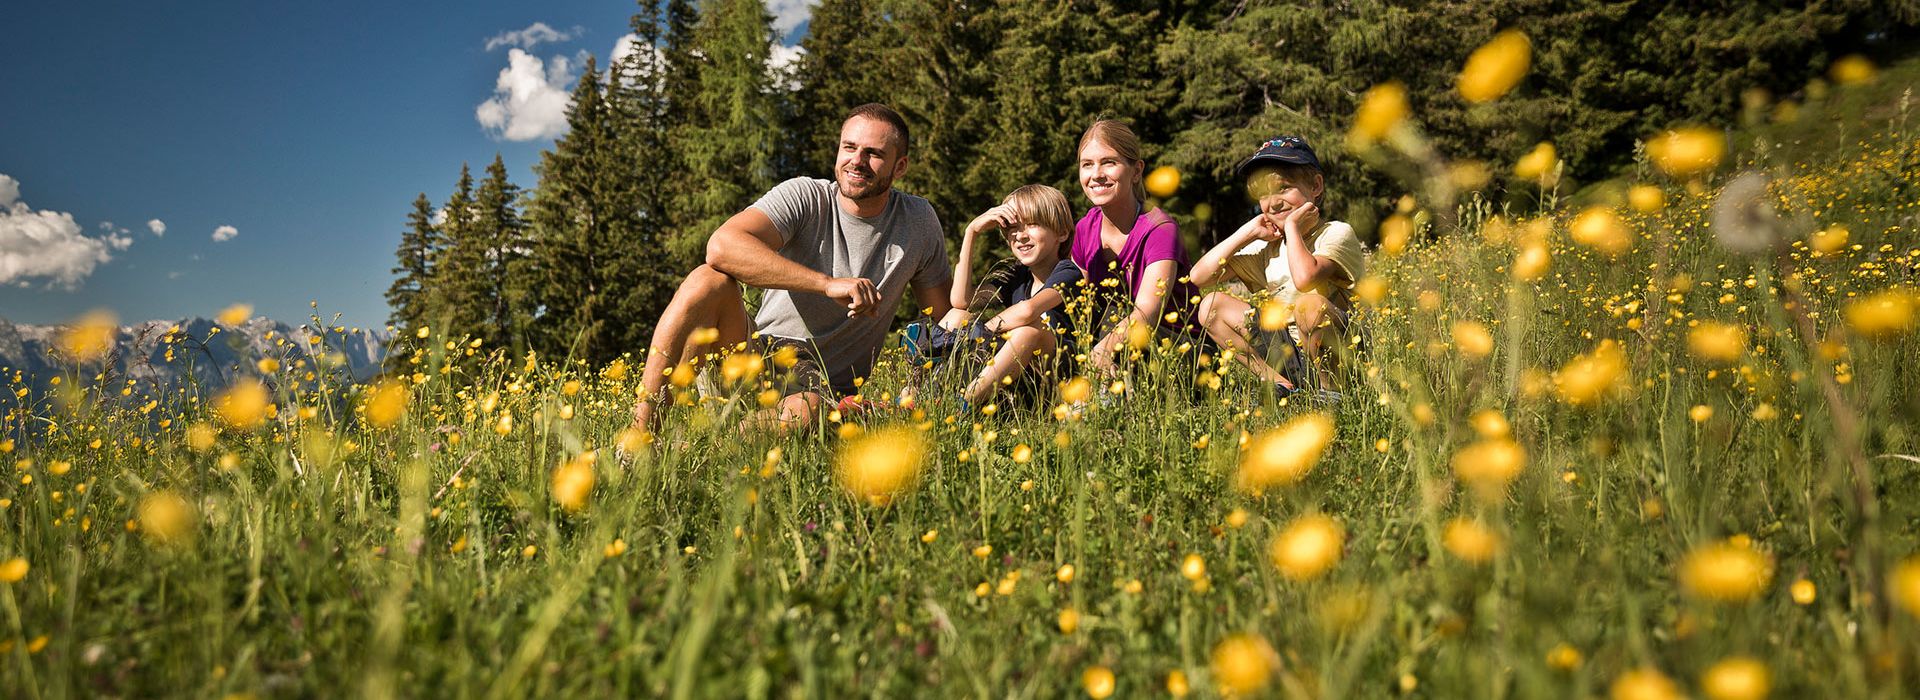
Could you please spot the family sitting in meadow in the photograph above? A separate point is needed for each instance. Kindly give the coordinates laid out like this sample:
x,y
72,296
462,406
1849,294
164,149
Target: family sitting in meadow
x,y
835,258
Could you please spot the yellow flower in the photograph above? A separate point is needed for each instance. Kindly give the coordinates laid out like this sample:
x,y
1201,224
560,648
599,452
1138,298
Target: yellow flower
x,y
741,367
1700,414
1177,683
1852,70
1644,684
1563,657
1714,341
1069,620
1098,682
1882,315
387,403
13,570
1471,541
1646,199
1598,228
1494,68
1489,424
267,365
243,405
1243,664
91,336
1593,377
573,482
1064,574
1275,315
1687,151
1076,390
1193,568
1022,454
1283,455
1737,678
1395,232
1308,547
1802,591
1830,239
1371,289
200,437
235,315
1537,164
1472,339
1383,107
1237,518
1903,585
1726,572
1490,464
166,518
880,465
1163,181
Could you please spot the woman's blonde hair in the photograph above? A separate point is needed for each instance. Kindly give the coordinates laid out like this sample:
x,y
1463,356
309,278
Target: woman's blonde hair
x,y
1045,207
1119,137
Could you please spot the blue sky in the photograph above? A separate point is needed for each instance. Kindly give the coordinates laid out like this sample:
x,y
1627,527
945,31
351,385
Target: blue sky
x,y
308,128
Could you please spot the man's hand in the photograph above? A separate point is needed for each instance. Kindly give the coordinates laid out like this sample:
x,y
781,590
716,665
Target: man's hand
x,y
856,293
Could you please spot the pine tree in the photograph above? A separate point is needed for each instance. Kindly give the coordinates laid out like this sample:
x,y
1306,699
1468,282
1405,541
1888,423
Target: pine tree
x,y
462,295
727,153
570,217
499,223
419,244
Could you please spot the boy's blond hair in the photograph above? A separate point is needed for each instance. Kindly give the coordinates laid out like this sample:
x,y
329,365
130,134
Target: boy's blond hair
x,y
1045,207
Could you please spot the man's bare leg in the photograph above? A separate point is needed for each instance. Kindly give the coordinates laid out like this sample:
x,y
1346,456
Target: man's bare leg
x,y
793,412
707,298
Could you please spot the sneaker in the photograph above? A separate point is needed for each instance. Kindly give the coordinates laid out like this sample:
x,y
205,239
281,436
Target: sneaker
x,y
928,342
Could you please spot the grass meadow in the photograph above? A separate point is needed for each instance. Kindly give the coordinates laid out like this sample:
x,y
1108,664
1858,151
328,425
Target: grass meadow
x,y
1647,438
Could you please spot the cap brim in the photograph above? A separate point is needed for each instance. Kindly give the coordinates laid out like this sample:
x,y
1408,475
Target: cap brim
x,y
1240,171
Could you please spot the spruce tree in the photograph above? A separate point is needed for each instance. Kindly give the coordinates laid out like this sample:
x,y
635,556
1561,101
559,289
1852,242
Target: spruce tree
x,y
461,293
413,276
499,223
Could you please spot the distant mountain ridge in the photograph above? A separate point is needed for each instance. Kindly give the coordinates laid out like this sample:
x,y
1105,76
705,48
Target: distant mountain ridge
x,y
205,352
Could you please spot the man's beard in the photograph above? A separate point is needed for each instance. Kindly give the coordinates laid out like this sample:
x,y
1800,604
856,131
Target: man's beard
x,y
874,186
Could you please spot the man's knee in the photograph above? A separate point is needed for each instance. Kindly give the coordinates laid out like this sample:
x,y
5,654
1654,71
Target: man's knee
x,y
704,281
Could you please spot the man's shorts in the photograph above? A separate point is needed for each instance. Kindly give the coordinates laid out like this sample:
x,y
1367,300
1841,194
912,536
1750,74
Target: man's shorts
x,y
805,373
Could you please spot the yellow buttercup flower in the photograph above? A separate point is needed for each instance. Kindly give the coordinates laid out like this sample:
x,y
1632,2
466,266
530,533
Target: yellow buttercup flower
x,y
1193,568
1537,164
1737,678
1097,681
880,465
1471,541
1852,70
1903,585
1830,239
1884,314
13,570
573,482
235,315
166,518
1490,464
1395,232
1532,262
1493,69
243,405
1382,108
1591,378
1243,664
1687,151
1371,289
1163,181
1068,620
1646,199
1563,657
91,336
1802,591
387,403
1644,684
1275,315
1472,339
1598,228
1714,341
1490,425
1284,455
1308,547
1726,572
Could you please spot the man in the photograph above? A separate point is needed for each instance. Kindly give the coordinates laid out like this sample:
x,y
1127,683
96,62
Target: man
x,y
835,258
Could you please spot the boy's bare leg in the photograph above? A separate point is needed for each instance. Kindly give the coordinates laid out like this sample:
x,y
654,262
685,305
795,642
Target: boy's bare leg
x,y
1021,348
708,298
1225,319
955,319
1315,315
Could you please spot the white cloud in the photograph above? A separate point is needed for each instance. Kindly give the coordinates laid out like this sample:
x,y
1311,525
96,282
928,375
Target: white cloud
x,y
781,62
439,216
534,35
158,227
46,245
224,234
530,98
788,14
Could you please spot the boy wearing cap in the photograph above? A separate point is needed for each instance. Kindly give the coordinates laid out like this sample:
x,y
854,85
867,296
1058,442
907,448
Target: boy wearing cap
x,y
1288,253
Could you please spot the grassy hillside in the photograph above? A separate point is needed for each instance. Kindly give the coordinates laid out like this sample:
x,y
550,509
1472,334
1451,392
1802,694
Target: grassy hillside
x,y
1633,462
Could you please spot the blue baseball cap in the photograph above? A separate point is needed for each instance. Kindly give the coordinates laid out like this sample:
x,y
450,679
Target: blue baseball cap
x,y
1284,149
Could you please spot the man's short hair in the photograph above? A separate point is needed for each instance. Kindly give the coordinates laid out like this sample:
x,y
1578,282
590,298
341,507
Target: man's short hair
x,y
880,112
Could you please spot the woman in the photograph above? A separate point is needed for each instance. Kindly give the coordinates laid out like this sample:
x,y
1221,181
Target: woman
x,y
1120,244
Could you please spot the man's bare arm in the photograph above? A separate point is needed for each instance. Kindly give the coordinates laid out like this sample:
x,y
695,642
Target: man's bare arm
x,y
747,248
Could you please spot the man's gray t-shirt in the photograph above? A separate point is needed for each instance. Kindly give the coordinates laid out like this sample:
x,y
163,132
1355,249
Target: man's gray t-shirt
x,y
902,246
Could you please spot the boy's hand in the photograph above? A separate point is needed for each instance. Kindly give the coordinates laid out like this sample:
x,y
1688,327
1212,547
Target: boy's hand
x,y
1302,219
998,217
